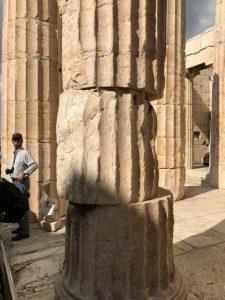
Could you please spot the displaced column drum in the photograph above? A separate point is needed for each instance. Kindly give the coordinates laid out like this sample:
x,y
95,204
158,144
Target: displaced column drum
x,y
119,241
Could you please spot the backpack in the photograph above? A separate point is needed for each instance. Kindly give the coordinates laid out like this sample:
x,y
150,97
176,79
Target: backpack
x,y
13,203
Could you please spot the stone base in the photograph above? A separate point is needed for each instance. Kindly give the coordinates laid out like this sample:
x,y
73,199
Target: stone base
x,y
120,252
52,226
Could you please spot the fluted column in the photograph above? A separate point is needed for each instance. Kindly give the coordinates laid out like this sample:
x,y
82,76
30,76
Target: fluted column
x,y
30,88
120,252
170,142
217,140
119,238
189,123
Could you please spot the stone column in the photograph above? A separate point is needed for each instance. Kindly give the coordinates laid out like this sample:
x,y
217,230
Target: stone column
x,y
170,142
119,239
30,89
217,164
189,123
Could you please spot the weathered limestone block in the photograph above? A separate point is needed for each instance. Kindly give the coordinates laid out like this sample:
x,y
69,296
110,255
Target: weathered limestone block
x,y
111,43
120,252
106,143
30,87
200,49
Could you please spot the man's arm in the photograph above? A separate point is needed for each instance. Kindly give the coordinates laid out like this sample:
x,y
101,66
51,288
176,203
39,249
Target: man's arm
x,y
31,167
31,164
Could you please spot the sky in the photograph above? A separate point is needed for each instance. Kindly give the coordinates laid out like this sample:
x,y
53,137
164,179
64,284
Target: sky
x,y
200,15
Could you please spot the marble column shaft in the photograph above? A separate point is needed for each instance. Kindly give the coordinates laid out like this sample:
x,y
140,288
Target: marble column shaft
x,y
217,163
30,88
108,78
189,125
120,252
170,109
119,239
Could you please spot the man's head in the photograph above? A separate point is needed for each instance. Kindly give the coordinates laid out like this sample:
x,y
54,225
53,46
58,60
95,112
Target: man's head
x,y
17,140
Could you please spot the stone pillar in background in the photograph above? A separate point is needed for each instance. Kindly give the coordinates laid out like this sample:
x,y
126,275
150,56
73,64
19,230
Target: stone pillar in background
x,y
30,89
170,142
119,242
189,122
217,163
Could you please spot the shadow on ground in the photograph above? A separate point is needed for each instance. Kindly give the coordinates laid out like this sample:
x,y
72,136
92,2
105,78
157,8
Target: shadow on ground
x,y
192,191
201,259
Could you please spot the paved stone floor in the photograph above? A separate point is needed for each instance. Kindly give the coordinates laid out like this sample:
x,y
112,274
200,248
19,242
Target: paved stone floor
x,y
35,261
199,239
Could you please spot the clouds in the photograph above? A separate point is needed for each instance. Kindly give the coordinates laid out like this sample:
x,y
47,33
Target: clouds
x,y
200,15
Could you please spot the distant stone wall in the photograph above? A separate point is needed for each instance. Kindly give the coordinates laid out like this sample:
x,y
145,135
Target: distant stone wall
x,y
199,96
200,49
201,114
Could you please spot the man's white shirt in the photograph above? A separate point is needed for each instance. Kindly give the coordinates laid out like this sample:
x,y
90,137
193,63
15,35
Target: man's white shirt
x,y
24,163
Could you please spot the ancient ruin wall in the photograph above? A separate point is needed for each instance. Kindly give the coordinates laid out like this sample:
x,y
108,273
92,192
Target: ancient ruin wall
x,y
200,49
201,113
199,86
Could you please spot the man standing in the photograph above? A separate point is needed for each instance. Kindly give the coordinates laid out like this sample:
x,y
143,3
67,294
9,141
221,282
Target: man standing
x,y
21,167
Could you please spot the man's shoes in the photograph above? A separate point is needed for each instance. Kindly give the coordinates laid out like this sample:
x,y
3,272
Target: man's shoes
x,y
15,231
20,236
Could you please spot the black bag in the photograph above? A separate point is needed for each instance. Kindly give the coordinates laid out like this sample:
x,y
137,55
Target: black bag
x,y
13,203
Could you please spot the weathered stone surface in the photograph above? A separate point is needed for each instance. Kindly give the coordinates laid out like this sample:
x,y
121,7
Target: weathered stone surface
x,y
200,49
171,177
113,43
106,130
119,242
106,149
120,252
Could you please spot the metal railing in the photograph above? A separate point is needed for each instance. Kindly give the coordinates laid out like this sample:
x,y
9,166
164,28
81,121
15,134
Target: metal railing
x,y
7,286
